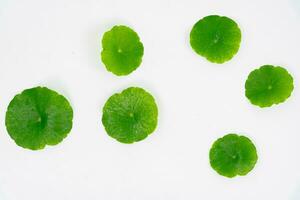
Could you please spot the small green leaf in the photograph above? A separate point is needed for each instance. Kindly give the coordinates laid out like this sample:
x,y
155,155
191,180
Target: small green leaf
x,y
216,38
130,116
233,155
122,50
38,117
268,85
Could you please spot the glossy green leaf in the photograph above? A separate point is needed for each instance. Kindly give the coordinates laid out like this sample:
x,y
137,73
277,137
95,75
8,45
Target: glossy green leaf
x,y
216,38
233,155
38,117
269,85
122,50
130,116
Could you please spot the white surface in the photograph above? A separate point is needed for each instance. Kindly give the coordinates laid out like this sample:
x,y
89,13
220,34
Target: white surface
x,y
56,43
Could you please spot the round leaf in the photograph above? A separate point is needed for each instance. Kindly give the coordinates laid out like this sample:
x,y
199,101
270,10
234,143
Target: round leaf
x,y
38,117
269,85
122,50
233,155
216,38
130,116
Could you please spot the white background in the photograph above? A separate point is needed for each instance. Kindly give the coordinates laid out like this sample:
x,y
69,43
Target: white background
x,y
56,43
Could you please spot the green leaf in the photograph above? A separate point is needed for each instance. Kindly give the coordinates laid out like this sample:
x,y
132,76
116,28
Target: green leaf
x,y
269,85
130,116
122,50
216,38
233,155
38,117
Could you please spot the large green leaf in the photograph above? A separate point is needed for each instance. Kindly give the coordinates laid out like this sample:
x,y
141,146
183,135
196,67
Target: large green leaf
x,y
38,117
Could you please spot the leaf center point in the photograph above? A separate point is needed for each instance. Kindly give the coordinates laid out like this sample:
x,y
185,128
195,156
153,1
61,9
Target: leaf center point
x,y
270,87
